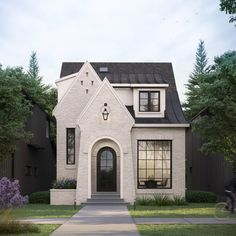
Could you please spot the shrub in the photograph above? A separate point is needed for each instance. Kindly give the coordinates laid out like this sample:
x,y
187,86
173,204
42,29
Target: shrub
x,y
10,194
163,200
144,201
64,184
15,227
179,201
160,200
200,196
40,197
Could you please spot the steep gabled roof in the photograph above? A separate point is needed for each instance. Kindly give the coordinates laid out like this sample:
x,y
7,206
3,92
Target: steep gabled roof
x,y
126,72
139,73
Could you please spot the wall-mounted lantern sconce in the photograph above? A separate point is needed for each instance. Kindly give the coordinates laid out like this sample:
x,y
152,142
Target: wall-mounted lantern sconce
x,y
105,112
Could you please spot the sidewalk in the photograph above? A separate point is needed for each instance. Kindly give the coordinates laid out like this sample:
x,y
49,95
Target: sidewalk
x,y
202,221
99,220
139,221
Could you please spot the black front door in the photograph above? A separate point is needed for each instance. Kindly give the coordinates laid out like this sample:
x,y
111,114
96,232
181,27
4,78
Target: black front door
x,y
106,170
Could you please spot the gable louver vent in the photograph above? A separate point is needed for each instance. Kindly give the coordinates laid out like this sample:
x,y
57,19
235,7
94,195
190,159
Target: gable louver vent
x,y
103,69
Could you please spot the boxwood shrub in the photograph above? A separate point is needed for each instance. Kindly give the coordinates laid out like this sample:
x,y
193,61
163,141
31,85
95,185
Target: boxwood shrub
x,y
200,196
64,184
40,197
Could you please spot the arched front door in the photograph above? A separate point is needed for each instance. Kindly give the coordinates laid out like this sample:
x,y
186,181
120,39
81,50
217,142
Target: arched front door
x,y
106,170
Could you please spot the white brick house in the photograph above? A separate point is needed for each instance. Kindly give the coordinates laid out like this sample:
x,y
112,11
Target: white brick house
x,y
120,129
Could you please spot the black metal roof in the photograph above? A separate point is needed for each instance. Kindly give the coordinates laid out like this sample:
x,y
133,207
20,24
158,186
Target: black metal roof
x,y
135,73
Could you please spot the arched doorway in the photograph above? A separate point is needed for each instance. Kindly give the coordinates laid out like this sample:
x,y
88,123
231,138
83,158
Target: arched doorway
x,y
106,170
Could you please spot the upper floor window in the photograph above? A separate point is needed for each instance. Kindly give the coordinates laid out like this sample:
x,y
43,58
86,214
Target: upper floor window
x,y
70,146
149,101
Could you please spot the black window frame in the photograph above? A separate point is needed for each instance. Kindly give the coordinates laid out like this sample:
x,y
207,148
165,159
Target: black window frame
x,y
149,92
171,150
67,146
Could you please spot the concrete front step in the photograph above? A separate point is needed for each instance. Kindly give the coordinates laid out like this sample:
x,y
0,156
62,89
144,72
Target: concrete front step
x,y
105,196
105,199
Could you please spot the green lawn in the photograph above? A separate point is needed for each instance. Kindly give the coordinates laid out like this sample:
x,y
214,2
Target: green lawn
x,y
45,230
190,210
44,211
186,230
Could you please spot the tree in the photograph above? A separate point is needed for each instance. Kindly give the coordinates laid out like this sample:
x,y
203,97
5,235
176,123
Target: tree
x,y
200,68
14,110
34,67
229,6
218,95
44,95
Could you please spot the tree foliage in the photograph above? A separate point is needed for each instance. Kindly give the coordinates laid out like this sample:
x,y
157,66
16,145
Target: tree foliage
x,y
44,95
229,7
14,110
196,77
217,94
15,86
34,67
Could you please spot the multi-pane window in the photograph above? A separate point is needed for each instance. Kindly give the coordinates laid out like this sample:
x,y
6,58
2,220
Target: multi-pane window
x,y
70,146
154,164
149,101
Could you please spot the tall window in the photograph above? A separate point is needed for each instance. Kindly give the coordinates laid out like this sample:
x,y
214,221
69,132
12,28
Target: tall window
x,y
149,101
70,146
154,164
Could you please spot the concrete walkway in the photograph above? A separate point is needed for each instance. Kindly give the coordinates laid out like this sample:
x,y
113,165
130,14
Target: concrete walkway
x,y
96,220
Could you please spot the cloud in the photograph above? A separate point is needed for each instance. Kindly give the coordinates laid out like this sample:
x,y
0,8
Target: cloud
x,y
117,30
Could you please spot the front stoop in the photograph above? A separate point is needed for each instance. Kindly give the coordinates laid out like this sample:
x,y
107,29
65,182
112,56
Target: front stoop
x,y
105,199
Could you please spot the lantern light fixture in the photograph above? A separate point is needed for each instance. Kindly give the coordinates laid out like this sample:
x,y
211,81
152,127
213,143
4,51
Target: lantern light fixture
x,y
105,112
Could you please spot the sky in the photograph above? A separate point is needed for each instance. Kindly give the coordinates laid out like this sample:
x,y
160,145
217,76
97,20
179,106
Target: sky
x,y
113,31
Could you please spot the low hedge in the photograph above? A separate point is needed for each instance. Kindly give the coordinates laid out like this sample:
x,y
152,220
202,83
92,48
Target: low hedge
x,y
40,197
64,184
200,196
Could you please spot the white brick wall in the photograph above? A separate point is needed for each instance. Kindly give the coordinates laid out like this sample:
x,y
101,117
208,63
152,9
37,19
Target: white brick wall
x,y
93,127
62,196
177,135
67,113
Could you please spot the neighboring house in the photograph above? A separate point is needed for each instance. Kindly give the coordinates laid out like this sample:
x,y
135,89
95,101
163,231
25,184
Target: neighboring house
x,y
34,162
120,130
205,172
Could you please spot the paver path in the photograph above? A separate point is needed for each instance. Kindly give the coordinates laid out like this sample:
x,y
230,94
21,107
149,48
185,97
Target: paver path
x,y
96,220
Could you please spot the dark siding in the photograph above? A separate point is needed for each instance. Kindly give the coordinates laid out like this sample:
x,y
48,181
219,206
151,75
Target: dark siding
x,y
206,173
39,153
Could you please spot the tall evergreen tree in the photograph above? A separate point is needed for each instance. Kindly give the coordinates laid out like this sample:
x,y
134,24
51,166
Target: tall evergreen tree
x,y
218,96
192,106
34,67
44,95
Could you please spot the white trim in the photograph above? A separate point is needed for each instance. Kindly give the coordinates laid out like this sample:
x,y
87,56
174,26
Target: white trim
x,y
73,83
139,85
90,160
67,77
161,125
103,83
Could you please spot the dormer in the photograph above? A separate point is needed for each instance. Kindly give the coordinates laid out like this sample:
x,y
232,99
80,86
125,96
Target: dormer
x,y
150,100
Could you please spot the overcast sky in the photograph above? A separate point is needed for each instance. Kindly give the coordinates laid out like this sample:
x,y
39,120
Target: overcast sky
x,y
112,30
